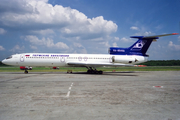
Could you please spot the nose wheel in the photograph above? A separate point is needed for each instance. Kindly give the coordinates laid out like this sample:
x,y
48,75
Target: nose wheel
x,y
26,72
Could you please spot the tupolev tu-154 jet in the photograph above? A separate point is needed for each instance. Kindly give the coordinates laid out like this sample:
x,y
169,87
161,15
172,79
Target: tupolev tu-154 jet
x,y
117,57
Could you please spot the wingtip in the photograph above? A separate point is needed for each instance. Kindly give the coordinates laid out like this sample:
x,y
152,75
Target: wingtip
x,y
175,33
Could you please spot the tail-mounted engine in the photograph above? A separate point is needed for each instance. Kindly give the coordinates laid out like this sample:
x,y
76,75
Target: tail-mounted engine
x,y
124,59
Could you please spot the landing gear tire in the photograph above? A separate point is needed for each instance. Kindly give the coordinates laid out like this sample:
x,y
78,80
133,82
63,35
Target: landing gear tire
x,y
100,72
26,72
94,72
89,71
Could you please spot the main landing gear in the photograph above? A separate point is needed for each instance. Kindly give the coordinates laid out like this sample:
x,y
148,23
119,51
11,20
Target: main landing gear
x,y
93,71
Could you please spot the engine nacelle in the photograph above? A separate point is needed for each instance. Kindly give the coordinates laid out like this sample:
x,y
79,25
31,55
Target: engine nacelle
x,y
25,68
123,59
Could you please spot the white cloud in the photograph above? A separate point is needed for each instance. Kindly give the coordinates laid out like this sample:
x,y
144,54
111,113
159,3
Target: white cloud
x,y
17,48
134,28
116,38
143,33
141,30
147,33
39,15
33,47
126,39
79,48
159,27
90,28
115,44
179,38
106,44
77,45
2,31
43,32
35,41
173,46
1,48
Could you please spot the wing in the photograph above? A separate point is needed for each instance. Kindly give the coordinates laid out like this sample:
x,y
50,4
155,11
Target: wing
x,y
83,64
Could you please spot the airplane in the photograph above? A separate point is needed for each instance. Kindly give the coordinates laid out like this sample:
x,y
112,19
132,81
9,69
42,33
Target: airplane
x,y
117,57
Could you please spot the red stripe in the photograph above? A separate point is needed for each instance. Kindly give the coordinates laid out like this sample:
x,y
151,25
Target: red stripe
x,y
175,33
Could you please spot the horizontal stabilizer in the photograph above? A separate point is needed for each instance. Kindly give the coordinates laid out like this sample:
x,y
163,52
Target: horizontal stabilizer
x,y
153,37
160,35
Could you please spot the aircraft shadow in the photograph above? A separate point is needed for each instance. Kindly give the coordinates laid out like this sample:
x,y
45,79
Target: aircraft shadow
x,y
110,73
127,73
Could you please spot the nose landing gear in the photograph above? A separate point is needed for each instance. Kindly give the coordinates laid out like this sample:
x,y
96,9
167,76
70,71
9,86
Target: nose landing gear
x,y
26,72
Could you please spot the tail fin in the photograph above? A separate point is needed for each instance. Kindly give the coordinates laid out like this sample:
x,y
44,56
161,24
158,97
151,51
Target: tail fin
x,y
140,47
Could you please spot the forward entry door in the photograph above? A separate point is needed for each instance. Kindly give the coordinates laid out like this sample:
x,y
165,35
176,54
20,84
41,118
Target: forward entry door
x,y
21,58
62,59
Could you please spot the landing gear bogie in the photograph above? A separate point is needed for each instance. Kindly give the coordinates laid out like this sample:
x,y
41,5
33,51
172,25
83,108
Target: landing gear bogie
x,y
94,71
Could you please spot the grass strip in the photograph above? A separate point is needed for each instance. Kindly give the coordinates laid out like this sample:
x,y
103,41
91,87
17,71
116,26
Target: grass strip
x,y
78,69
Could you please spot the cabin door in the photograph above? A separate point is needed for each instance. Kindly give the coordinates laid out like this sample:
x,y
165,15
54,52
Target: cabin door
x,y
21,58
62,59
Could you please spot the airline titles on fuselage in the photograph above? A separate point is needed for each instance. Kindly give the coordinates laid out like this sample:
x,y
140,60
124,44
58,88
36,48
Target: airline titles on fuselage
x,y
39,55
57,56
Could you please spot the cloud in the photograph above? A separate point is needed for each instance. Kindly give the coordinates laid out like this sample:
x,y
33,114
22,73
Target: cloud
x,y
147,33
126,39
2,31
33,47
159,27
40,16
43,32
134,28
115,44
141,30
79,48
1,48
90,28
17,48
116,38
143,33
106,44
47,42
78,45
173,46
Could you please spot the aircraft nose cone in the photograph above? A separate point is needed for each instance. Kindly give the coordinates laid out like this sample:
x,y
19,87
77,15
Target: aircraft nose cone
x,y
4,61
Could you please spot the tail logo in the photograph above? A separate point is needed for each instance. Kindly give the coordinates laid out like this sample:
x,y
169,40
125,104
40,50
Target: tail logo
x,y
139,45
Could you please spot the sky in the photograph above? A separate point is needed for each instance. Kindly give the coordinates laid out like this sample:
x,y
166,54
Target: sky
x,y
88,26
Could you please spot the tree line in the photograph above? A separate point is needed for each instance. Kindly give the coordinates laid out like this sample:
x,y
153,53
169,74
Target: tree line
x,y
162,63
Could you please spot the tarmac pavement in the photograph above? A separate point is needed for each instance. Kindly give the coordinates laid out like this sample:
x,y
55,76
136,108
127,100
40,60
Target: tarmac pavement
x,y
150,95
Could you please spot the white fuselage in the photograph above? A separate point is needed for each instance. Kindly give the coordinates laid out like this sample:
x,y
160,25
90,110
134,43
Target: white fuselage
x,y
59,60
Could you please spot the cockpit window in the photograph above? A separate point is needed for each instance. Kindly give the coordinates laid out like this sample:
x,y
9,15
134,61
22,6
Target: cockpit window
x,y
9,57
